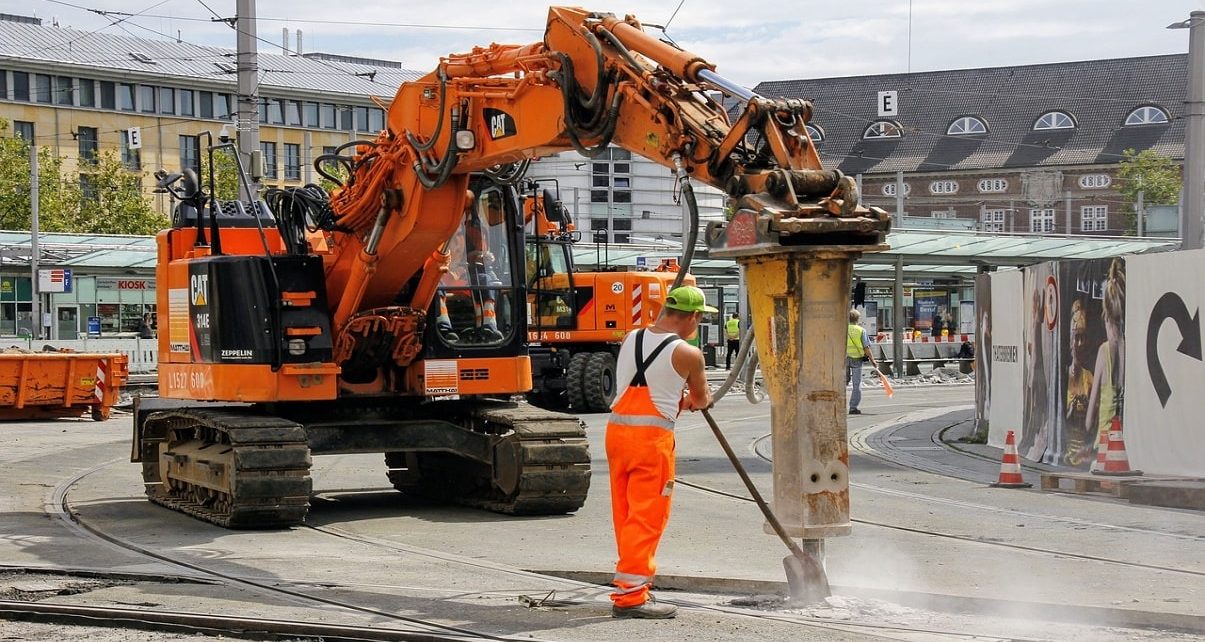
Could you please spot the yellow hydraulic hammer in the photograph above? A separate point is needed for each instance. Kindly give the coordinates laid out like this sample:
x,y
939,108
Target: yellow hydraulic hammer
x,y
798,252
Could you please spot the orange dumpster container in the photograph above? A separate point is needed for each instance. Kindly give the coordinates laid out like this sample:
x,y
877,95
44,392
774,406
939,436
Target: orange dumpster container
x,y
41,385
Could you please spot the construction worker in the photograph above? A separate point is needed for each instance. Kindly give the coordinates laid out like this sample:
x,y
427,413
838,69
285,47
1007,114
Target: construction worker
x,y
857,350
732,331
655,365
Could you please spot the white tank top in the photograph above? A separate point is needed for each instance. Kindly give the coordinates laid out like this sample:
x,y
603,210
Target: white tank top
x,y
665,384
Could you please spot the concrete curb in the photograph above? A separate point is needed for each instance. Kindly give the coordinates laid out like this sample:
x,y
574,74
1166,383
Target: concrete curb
x,y
1098,615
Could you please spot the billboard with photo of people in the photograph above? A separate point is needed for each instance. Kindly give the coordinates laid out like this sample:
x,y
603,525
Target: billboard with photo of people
x,y
983,352
1042,419
1092,309
1073,353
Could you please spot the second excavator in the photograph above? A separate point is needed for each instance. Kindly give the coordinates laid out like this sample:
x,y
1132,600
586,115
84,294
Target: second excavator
x,y
392,318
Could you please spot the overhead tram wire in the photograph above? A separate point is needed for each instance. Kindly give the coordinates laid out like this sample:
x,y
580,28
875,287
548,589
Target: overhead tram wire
x,y
127,18
361,23
217,18
68,43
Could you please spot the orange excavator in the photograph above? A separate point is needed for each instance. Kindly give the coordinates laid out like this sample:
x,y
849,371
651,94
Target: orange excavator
x,y
391,318
577,320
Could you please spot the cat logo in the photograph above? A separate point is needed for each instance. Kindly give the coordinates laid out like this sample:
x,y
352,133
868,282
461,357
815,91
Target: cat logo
x,y
199,287
500,123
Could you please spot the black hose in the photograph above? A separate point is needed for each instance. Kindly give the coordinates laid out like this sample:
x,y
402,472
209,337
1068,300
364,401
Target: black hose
x,y
623,51
604,137
599,92
439,124
300,210
692,236
443,169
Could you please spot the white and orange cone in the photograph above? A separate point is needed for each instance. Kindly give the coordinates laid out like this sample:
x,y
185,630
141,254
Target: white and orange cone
x,y
1010,466
1112,458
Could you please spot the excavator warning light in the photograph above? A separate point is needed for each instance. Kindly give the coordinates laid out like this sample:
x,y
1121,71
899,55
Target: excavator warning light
x,y
465,140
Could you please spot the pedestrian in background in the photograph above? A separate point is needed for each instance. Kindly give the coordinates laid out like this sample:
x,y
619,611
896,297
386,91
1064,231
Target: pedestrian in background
x,y
146,327
655,366
732,331
857,350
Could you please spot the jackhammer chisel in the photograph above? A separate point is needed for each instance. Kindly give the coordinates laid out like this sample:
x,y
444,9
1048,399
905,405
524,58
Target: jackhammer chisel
x,y
806,580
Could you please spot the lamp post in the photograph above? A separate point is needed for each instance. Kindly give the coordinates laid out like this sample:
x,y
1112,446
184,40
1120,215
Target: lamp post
x,y
1194,134
35,306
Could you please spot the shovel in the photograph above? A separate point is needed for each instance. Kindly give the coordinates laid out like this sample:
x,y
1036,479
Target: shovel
x,y
806,580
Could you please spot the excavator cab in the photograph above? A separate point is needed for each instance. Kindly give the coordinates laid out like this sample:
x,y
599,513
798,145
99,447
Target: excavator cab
x,y
476,306
551,304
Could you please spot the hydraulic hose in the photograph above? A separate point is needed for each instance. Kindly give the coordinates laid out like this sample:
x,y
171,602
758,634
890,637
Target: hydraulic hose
x,y
688,252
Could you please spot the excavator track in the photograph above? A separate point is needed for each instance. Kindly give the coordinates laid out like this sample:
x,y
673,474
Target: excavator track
x,y
233,469
541,465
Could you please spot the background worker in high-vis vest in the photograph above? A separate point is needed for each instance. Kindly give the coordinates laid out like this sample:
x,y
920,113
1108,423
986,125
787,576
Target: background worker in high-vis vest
x,y
732,331
655,366
857,349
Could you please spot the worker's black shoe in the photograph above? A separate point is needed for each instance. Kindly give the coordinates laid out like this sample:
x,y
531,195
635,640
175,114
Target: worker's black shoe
x,y
650,610
854,411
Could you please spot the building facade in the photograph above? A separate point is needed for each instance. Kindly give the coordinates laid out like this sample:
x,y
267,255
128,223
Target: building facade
x,y
618,197
1025,149
79,93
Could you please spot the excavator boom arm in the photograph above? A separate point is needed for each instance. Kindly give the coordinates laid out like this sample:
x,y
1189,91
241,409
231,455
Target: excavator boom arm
x,y
595,80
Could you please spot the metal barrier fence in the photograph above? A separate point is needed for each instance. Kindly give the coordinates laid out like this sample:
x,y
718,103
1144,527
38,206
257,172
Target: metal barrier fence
x,y
143,354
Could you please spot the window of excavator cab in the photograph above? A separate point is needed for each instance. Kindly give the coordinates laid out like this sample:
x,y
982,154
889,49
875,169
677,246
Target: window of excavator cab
x,y
549,286
476,295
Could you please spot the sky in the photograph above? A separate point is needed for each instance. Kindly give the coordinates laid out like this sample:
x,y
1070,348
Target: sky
x,y
749,41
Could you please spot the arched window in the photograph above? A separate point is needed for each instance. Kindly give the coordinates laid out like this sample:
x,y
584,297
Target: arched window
x,y
815,133
883,129
1147,115
1055,120
967,125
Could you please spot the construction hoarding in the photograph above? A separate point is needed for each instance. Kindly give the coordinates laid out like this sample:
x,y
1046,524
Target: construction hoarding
x,y
1074,345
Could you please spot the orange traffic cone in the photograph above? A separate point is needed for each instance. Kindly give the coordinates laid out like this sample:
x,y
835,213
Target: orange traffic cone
x,y
1010,466
1111,458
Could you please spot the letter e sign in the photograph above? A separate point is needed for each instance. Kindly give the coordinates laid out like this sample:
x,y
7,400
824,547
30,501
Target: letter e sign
x,y
889,104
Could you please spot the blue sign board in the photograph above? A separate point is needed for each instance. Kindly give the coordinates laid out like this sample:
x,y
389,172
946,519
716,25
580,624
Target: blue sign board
x,y
93,327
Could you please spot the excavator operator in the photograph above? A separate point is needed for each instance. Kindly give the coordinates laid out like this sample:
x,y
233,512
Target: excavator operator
x,y
473,262
655,365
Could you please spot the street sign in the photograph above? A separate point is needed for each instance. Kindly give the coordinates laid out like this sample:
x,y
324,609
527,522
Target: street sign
x,y
93,327
889,104
56,280
134,138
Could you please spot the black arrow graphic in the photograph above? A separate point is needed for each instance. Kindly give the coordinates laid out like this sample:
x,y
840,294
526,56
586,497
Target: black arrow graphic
x,y
1171,306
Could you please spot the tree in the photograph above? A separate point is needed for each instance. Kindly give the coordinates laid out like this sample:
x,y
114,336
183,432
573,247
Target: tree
x,y
225,174
56,198
1156,177
111,201
102,198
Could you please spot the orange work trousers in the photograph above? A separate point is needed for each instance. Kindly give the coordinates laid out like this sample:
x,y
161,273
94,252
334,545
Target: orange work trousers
x,y
641,460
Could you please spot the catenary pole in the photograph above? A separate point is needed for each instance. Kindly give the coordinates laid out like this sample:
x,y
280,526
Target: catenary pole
x,y
35,308
248,94
1194,137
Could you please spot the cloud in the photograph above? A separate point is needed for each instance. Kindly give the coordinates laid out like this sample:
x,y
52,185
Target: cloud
x,y
749,42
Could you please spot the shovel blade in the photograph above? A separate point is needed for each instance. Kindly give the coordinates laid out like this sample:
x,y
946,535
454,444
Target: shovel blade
x,y
806,580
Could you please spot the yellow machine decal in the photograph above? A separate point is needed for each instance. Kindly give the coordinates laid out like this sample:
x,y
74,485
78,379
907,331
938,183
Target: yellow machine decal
x,y
177,303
